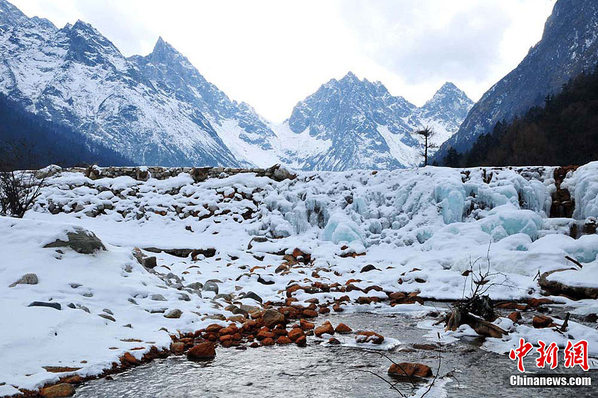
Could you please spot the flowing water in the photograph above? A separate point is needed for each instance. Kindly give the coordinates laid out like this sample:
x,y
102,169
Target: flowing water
x,y
326,371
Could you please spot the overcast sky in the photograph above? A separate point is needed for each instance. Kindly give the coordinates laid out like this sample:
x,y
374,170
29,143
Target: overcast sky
x,y
273,53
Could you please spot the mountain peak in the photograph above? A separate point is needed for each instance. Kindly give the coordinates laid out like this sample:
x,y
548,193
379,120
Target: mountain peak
x,y
10,15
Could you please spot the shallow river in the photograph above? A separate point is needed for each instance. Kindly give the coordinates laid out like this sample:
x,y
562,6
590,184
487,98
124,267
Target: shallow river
x,y
325,371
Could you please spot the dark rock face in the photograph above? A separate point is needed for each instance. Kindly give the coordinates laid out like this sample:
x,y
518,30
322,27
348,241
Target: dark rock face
x,y
568,47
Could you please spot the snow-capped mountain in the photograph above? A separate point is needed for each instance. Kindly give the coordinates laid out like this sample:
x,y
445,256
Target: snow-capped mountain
x,y
158,109
357,124
568,46
153,110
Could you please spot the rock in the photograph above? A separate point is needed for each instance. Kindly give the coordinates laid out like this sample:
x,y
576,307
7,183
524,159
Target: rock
x,y
310,313
342,329
557,288
295,333
210,286
325,328
541,321
397,296
173,314
27,279
56,306
282,340
369,337
333,341
301,341
272,317
337,308
426,347
157,297
515,316
535,302
195,286
305,325
264,334
252,295
81,241
409,369
129,359
202,352
149,262
177,348
57,391
106,316
268,341
368,268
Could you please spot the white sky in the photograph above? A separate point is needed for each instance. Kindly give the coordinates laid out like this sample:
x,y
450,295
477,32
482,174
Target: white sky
x,y
273,53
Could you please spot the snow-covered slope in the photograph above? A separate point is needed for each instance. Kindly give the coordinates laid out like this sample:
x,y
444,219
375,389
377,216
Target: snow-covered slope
x,y
419,229
569,46
362,126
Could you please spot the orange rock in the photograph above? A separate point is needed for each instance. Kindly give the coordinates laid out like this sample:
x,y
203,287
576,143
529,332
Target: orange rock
x,y
264,333
297,253
337,308
541,321
343,329
202,351
324,310
409,369
326,327
225,337
398,296
514,316
255,344
305,325
267,341
213,328
293,289
310,313
535,302
129,359
301,341
343,298
295,333
177,348
58,391
334,341
283,340
369,337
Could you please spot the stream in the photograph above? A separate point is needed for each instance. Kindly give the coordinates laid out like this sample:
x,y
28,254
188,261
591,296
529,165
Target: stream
x,y
327,371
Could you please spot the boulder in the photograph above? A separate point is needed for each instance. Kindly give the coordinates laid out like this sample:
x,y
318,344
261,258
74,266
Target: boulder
x,y
57,391
27,279
369,337
368,268
409,369
541,321
177,348
210,286
56,306
515,316
343,329
202,352
81,241
325,328
295,333
272,317
173,314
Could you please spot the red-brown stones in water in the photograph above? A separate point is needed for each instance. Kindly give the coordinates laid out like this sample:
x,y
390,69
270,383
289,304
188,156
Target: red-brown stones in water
x,y
305,325
511,305
255,344
514,316
279,331
293,289
536,302
177,348
57,391
264,333
301,341
282,340
542,321
295,333
343,298
369,337
268,341
128,359
225,337
202,352
308,313
325,328
324,310
342,329
350,287
397,296
367,300
408,369
213,328
333,341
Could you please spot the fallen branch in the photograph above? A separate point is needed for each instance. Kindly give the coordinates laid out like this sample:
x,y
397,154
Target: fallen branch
x,y
574,261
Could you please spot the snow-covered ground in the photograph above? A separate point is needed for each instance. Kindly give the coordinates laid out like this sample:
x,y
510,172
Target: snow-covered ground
x,y
420,229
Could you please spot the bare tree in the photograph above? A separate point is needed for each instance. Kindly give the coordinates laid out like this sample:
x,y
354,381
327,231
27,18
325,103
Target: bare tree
x,y
427,133
18,188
